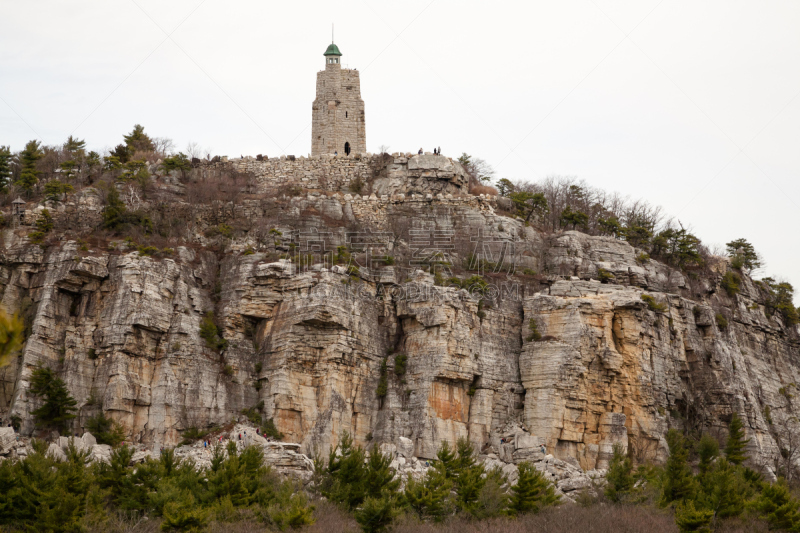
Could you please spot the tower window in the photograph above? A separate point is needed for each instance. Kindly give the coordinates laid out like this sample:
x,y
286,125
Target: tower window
x,y
345,114
347,148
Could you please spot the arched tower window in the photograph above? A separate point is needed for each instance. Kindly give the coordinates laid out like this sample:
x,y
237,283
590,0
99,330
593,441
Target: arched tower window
x,y
347,148
345,114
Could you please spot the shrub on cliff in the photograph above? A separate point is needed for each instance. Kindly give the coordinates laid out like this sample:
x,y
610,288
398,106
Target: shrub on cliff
x,y
118,218
105,430
730,282
210,332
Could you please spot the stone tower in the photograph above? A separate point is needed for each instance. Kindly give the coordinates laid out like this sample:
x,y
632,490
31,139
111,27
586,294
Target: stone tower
x,y
338,123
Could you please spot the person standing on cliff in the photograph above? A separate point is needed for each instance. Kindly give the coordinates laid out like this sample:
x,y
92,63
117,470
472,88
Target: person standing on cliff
x,y
439,151
544,450
420,152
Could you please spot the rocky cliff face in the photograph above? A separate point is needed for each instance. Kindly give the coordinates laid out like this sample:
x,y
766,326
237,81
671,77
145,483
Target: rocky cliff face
x,y
313,338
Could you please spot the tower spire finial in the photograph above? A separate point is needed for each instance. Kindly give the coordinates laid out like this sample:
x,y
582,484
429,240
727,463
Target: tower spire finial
x,y
331,32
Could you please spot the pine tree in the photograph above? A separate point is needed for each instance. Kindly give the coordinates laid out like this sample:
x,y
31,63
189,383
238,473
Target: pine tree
x,y
29,176
619,478
430,496
446,461
138,140
5,168
776,505
734,449
177,162
708,450
532,491
692,520
74,146
377,513
346,474
743,255
723,490
678,479
379,476
58,404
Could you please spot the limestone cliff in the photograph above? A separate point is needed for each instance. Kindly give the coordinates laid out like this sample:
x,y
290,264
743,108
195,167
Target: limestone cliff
x,y
314,314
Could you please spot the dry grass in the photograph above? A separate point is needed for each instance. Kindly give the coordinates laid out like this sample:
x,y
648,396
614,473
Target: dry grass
x,y
599,518
483,189
561,519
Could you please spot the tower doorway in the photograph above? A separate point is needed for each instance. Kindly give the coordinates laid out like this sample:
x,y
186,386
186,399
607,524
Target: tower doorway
x,y
347,148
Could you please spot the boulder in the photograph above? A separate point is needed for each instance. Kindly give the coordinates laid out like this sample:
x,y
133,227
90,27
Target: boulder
x,y
7,440
55,451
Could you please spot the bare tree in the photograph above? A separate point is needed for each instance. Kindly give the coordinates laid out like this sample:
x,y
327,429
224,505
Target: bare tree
x,y
383,149
163,146
194,150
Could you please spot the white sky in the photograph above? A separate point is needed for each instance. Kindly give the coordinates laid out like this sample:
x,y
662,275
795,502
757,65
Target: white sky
x,y
691,105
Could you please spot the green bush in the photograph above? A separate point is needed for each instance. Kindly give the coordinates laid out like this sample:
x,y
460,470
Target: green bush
x,y
400,361
652,304
105,430
604,275
730,282
722,322
534,335
383,381
211,333
271,430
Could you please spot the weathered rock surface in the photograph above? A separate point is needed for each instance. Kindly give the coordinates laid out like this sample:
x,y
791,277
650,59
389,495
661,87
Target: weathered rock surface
x,y
310,342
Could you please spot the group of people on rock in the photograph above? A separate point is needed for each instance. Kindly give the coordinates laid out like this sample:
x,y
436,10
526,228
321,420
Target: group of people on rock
x,y
436,151
206,443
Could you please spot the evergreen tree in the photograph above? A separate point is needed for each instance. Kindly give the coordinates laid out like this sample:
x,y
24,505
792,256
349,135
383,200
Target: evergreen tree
x,y
743,255
58,405
619,479
528,203
430,496
723,491
177,162
105,430
29,176
446,462
692,520
5,168
346,474
708,450
54,190
74,146
377,513
505,187
610,226
379,476
778,508
735,448
678,482
138,141
532,491
576,218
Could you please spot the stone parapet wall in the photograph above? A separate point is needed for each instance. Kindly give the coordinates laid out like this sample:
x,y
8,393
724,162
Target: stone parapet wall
x,y
383,175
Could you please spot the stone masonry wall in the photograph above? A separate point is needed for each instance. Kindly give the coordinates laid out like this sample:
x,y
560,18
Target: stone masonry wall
x,y
338,112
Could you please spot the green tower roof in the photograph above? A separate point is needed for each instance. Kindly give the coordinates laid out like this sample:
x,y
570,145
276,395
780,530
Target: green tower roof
x,y
332,50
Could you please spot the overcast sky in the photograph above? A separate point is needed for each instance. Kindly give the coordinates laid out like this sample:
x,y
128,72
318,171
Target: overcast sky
x,y
694,106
